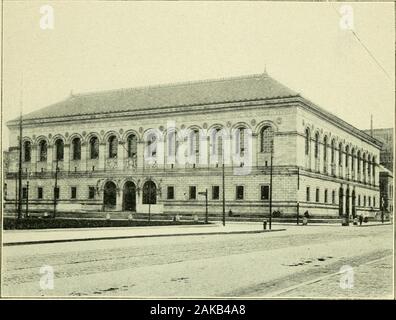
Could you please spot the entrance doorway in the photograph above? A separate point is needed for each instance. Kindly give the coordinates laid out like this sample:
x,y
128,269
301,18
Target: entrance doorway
x,y
129,200
110,195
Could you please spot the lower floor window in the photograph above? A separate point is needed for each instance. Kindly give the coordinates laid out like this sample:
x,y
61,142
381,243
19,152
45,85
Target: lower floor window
x,y
73,192
239,192
193,192
265,192
215,193
56,192
171,193
91,194
40,193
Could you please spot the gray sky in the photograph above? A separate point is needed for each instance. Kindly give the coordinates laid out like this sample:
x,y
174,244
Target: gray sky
x,y
99,45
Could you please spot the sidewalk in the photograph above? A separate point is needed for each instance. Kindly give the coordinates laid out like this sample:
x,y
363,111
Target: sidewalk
x,y
23,237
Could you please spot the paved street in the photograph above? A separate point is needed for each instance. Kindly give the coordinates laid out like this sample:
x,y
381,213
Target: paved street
x,y
298,262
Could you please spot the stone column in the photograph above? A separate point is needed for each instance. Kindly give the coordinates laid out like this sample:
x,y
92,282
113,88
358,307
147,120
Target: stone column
x,y
119,199
102,155
121,153
254,151
33,159
140,154
66,157
50,154
84,153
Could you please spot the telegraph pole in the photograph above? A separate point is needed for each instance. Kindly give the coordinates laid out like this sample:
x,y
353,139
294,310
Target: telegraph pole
x,y
56,183
223,182
20,169
27,199
270,199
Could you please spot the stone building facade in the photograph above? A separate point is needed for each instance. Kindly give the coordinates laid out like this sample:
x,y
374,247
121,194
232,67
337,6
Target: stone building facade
x,y
119,151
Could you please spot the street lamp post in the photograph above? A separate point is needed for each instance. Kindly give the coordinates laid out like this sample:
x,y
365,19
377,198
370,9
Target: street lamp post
x,y
56,186
270,196
27,199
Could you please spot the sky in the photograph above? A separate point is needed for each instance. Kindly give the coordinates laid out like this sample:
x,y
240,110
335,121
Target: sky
x,y
100,45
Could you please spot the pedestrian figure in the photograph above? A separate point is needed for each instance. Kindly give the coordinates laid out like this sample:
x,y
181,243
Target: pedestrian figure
x,y
360,220
305,218
355,221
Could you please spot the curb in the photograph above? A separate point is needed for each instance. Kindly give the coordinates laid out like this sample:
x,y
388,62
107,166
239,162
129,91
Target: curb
x,y
137,236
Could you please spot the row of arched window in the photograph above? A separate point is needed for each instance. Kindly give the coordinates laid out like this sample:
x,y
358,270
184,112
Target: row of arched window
x,y
266,145
365,162
93,146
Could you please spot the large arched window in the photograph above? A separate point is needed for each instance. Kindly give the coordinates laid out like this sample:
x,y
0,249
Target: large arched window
x,y
132,146
369,166
325,146
151,144
332,151
340,154
364,165
266,139
27,154
94,147
76,149
346,156
316,145
217,144
240,145
358,161
113,145
149,193
307,140
194,144
353,156
43,150
59,149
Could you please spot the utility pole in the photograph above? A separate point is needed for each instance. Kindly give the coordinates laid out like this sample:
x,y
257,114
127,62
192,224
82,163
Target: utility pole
x,y
56,184
20,170
223,182
270,200
27,199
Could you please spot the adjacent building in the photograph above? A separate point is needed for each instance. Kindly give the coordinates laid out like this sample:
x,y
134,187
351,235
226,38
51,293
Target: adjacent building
x,y
154,149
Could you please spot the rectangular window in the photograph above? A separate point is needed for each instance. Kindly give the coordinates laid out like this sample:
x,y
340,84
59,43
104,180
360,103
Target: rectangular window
x,y
317,195
373,201
359,200
56,192
333,197
308,194
215,193
91,194
24,193
170,194
40,192
325,196
364,201
193,192
73,192
264,192
369,201
239,192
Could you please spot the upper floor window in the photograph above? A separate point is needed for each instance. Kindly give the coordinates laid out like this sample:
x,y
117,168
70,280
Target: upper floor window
x,y
307,140
94,147
27,151
358,161
353,159
217,144
43,150
239,192
316,145
113,145
346,156
266,139
194,145
325,148
240,141
59,149
76,149
172,143
340,154
332,151
132,146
